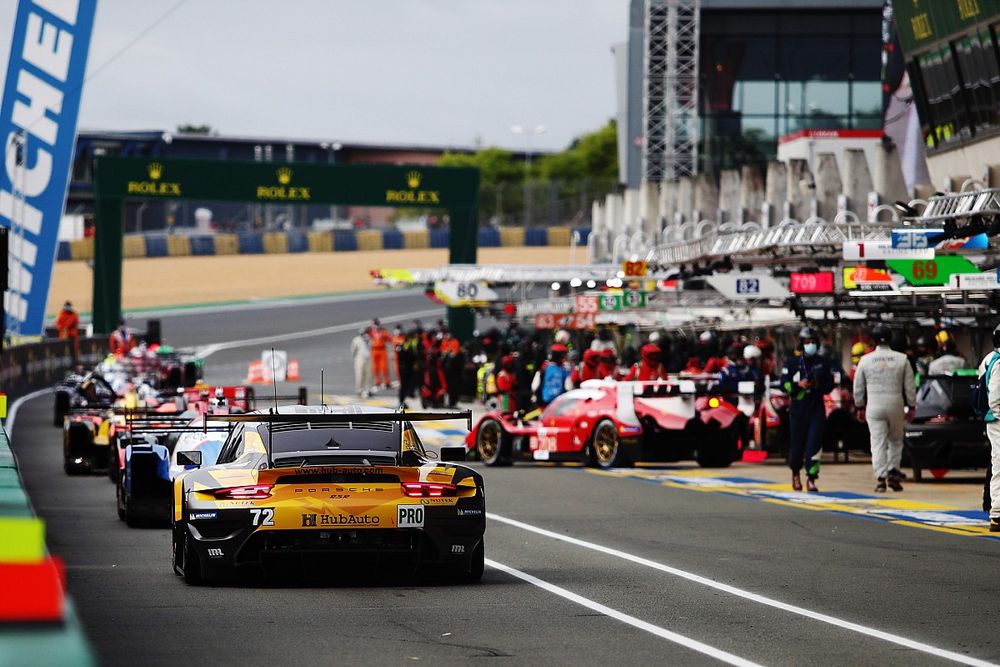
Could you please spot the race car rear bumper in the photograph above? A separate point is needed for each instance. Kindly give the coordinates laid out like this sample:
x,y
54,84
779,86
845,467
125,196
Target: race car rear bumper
x,y
225,540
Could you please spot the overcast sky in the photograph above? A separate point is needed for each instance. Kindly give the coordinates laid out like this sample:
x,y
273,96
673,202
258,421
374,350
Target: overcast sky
x,y
411,71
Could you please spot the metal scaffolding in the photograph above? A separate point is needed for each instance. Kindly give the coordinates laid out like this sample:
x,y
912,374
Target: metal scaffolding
x,y
670,89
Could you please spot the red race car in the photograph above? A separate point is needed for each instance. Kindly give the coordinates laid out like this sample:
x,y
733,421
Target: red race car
x,y
611,424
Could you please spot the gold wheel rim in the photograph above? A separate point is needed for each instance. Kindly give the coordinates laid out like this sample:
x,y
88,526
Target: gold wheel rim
x,y
605,444
489,441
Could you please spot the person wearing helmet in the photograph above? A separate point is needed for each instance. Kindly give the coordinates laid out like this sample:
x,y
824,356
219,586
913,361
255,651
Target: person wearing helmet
x,y
608,366
883,386
648,367
807,378
746,368
603,341
950,360
588,369
858,350
989,371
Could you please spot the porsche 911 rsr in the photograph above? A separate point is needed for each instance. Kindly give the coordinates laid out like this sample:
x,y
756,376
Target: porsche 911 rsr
x,y
319,484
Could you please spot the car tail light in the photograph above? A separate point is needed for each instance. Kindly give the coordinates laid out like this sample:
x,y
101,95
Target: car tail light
x,y
942,419
254,492
428,490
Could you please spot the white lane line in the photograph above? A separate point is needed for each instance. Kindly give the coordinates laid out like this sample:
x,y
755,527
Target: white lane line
x,y
663,633
208,350
16,405
753,597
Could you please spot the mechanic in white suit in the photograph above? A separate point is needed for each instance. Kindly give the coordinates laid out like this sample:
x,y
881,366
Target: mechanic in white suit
x,y
992,362
361,353
883,387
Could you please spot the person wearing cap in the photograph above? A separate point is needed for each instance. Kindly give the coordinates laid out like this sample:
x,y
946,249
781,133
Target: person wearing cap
x,y
989,370
807,378
68,326
884,385
607,367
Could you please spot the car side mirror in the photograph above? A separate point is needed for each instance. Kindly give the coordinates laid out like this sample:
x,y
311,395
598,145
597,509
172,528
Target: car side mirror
x,y
192,458
451,454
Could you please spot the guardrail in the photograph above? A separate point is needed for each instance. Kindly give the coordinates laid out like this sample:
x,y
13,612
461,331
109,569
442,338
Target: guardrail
x,y
27,368
38,624
257,243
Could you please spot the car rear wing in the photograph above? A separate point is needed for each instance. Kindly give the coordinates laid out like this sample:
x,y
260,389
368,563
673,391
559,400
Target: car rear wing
x,y
346,417
323,417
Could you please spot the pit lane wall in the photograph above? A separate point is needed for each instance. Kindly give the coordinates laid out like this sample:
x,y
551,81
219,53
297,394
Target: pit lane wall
x,y
28,368
38,623
256,243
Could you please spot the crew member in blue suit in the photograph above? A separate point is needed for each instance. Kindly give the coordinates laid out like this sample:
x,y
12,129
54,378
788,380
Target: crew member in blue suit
x,y
807,378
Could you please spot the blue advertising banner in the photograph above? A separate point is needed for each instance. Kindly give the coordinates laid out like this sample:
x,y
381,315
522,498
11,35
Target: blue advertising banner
x,y
38,112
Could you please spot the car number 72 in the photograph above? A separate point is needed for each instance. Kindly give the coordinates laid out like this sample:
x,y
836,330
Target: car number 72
x,y
262,516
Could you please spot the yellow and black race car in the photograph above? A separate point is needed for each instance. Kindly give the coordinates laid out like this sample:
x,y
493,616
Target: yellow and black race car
x,y
314,483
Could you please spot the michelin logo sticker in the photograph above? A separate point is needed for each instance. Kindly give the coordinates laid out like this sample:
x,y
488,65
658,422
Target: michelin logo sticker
x,y
38,114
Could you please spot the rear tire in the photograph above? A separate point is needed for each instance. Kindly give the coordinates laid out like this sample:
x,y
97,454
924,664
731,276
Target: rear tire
x,y
471,570
191,564
725,451
177,546
606,447
493,444
61,408
120,502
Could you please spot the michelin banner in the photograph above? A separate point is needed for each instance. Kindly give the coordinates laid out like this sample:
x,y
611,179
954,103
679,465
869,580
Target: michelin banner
x,y
38,112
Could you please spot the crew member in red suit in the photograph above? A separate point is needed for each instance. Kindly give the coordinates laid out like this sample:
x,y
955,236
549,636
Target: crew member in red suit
x,y
608,367
507,384
588,369
649,367
121,341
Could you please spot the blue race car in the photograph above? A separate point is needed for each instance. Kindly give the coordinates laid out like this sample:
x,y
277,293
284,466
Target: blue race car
x,y
154,458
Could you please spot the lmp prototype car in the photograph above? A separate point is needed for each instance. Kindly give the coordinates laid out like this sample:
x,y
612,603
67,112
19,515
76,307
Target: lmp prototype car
x,y
612,424
302,484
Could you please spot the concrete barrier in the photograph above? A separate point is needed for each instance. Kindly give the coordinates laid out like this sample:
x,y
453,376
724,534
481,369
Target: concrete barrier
x,y
38,624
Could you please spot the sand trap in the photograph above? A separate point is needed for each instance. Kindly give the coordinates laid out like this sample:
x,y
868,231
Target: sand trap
x,y
169,281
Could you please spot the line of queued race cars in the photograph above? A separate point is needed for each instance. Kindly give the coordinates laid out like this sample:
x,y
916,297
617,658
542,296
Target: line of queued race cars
x,y
611,424
246,489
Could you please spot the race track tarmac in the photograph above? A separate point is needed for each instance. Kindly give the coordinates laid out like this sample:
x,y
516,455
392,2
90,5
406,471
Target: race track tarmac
x,y
582,568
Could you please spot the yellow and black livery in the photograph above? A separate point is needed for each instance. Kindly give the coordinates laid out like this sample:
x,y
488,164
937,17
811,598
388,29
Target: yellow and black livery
x,y
331,484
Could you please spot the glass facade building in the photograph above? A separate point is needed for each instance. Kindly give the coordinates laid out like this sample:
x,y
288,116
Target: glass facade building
x,y
770,72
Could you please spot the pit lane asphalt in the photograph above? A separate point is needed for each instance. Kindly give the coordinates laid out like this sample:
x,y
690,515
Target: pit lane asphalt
x,y
931,587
